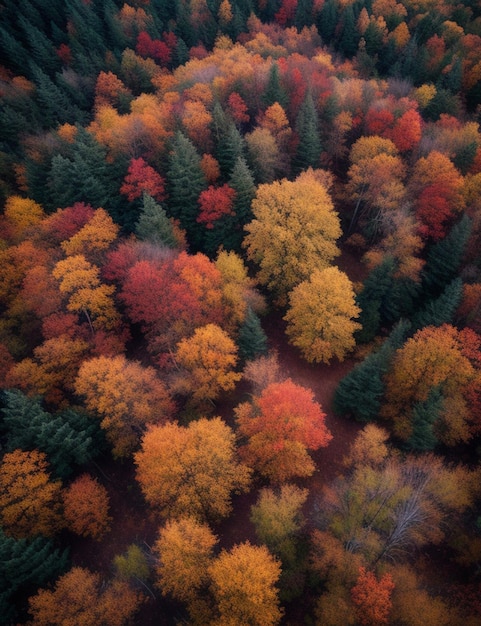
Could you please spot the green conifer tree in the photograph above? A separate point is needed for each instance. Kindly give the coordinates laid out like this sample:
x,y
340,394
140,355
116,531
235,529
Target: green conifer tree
x,y
440,310
375,289
424,415
230,147
307,128
154,225
252,340
349,40
360,392
185,180
274,91
242,181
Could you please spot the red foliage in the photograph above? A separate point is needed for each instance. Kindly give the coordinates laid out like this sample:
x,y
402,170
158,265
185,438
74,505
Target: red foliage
x,y
377,121
215,202
64,54
154,48
286,13
141,177
372,598
237,108
434,211
406,133
64,223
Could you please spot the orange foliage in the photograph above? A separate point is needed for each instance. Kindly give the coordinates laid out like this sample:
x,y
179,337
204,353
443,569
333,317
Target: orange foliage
x,y
281,425
29,500
86,506
372,598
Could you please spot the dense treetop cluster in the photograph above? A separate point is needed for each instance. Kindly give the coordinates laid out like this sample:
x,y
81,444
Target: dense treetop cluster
x,y
170,174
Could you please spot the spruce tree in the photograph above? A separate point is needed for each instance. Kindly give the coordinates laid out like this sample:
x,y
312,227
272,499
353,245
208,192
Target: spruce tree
x,y
185,180
252,340
274,91
24,566
444,257
230,147
327,20
242,181
424,416
375,289
349,40
441,310
154,225
360,392
307,128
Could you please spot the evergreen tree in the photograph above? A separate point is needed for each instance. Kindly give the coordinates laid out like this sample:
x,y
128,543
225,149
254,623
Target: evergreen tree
x,y
242,181
14,54
360,392
327,20
442,309
230,147
69,438
274,91
185,180
375,289
24,566
444,257
349,40
53,101
42,49
424,415
252,340
307,128
304,14
154,224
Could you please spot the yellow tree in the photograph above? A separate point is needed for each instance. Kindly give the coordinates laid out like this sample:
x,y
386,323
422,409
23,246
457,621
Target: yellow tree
x,y
191,471
320,317
243,584
22,216
29,500
126,396
184,551
208,358
96,236
294,231
82,598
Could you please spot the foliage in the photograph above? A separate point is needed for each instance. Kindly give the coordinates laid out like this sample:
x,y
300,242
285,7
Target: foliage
x,y
86,505
190,470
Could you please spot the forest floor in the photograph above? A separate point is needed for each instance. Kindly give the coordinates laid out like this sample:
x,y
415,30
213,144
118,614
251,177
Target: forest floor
x,y
131,521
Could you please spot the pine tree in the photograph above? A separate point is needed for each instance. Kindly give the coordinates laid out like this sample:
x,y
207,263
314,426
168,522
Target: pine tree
x,y
42,49
442,309
252,340
242,181
327,20
154,225
185,182
349,40
304,14
360,392
53,101
444,257
230,147
375,289
424,415
307,128
274,91
69,438
25,565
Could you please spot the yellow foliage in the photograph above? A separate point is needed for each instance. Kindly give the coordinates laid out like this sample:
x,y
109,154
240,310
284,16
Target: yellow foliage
x,y
294,231
22,216
320,316
97,235
243,584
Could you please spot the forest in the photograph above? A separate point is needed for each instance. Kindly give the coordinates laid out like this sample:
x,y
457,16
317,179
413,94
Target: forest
x,y
240,313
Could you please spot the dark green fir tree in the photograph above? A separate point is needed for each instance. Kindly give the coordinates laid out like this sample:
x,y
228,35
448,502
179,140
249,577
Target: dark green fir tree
x,y
424,416
307,128
252,340
440,310
154,225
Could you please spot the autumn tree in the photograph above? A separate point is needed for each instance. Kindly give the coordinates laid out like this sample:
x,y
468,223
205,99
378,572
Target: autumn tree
x,y
143,178
321,316
81,596
243,585
372,598
95,237
294,230
184,551
190,470
86,507
280,426
29,499
207,359
126,396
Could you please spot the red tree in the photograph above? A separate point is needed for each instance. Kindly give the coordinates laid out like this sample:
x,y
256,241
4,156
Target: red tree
x,y
141,177
215,202
372,598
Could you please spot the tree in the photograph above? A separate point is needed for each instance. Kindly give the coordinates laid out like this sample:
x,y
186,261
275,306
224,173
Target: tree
x,y
126,396
190,471
242,181
278,520
307,128
372,598
440,310
252,340
24,564
243,584
361,391
294,230
68,438
81,597
29,500
22,215
184,550
208,359
215,203
425,413
185,182
86,506
320,317
281,425
143,178
154,226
